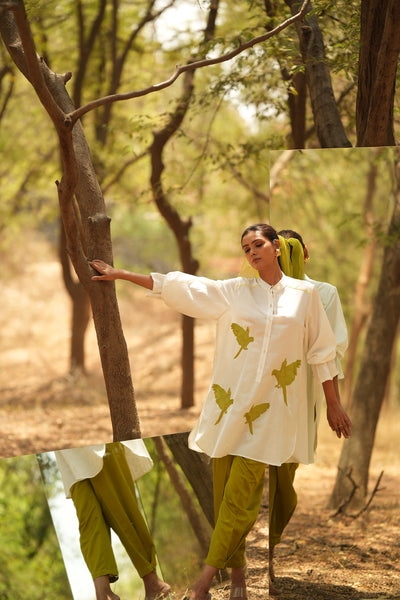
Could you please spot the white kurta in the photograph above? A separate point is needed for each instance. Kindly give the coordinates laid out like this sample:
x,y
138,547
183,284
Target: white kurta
x,y
333,308
76,464
256,406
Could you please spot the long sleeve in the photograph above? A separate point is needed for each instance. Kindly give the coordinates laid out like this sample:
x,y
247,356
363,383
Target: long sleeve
x,y
196,297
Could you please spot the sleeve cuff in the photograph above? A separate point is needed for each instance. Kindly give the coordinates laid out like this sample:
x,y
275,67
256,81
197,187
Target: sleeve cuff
x,y
158,283
326,371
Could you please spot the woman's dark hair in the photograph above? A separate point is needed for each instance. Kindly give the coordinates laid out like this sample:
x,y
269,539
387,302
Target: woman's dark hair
x,y
289,233
266,231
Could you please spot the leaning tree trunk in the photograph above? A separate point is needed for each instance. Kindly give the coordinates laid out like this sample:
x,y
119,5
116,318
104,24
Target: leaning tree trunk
x,y
377,66
188,505
374,371
86,224
197,468
81,310
328,125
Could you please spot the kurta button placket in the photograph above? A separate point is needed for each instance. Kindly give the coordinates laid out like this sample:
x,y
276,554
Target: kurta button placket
x,y
267,334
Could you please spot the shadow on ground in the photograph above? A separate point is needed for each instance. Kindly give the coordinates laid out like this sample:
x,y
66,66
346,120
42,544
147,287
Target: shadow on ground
x,y
296,589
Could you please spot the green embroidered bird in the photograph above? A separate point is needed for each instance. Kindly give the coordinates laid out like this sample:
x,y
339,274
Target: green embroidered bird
x,y
242,336
223,399
286,375
255,412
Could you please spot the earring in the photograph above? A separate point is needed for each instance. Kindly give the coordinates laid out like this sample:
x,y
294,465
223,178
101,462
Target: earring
x,y
278,251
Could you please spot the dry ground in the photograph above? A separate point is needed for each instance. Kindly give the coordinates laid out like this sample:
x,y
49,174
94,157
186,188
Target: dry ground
x,y
42,408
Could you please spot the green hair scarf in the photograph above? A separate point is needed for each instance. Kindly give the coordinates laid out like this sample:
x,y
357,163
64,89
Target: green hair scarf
x,y
292,257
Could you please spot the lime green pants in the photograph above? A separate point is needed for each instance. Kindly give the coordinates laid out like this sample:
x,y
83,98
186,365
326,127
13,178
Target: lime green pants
x,y
238,488
282,499
108,501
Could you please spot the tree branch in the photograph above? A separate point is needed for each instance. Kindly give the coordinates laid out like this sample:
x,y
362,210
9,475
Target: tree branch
x,y
374,491
342,508
79,112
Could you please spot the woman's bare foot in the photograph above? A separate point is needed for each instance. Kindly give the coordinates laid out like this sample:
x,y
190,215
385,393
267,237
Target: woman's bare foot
x,y
200,590
155,588
238,584
103,589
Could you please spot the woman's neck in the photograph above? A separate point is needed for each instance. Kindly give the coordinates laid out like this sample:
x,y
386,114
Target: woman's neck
x,y
271,276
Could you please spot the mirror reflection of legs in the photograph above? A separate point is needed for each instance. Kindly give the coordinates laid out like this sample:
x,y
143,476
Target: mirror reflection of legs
x,y
140,514
100,480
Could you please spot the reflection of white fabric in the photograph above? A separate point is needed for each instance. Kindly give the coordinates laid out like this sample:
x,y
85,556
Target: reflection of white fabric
x,y
76,464
247,411
333,308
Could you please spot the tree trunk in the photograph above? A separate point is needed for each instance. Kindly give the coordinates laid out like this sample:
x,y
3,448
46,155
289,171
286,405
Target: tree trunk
x,y
377,66
186,500
360,305
86,225
329,128
81,310
297,104
374,371
180,227
197,468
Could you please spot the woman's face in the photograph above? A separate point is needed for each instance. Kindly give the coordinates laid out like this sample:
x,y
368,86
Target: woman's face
x,y
259,251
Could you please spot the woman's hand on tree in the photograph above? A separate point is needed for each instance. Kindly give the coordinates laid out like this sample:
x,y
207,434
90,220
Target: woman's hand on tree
x,y
106,272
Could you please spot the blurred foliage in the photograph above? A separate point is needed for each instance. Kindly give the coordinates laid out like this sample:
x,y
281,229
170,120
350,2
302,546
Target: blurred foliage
x,y
31,562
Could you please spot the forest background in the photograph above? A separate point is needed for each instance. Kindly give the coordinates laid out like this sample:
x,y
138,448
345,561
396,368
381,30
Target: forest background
x,y
216,169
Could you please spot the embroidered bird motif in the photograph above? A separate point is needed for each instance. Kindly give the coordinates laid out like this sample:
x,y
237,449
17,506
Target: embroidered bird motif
x,y
242,336
223,399
286,375
255,412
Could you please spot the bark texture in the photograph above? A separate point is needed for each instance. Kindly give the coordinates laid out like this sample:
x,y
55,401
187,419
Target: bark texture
x,y
186,499
377,66
197,468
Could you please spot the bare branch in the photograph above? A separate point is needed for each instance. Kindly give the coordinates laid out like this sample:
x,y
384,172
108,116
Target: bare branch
x,y
342,508
79,112
374,491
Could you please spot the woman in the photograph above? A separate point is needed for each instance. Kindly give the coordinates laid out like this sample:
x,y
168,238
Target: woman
x,y
268,328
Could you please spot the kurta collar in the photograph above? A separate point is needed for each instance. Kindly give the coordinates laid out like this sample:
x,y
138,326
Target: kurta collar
x,y
273,288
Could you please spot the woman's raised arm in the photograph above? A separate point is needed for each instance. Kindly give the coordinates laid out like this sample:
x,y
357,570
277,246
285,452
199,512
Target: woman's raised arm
x,y
109,273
